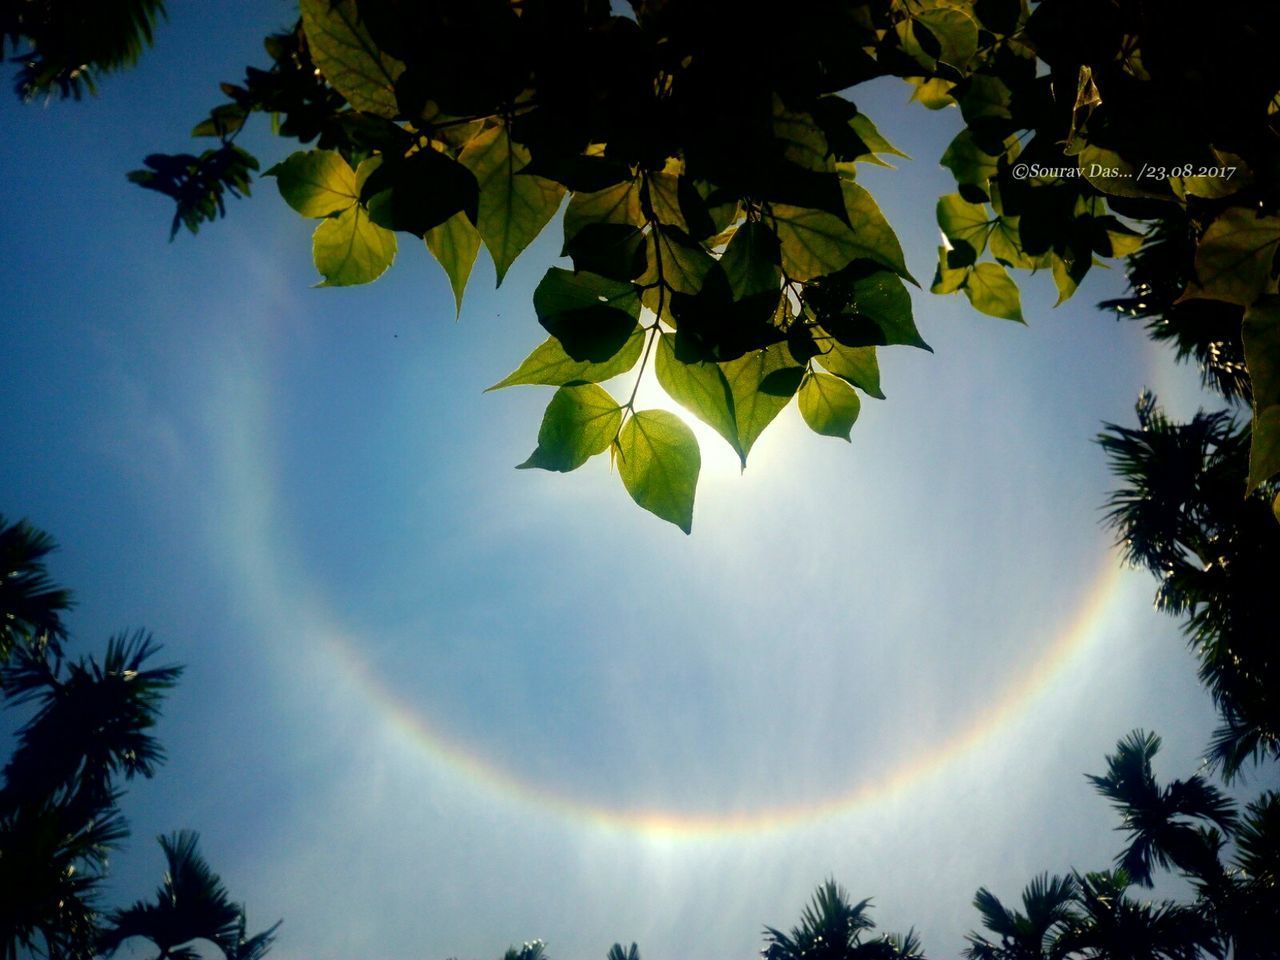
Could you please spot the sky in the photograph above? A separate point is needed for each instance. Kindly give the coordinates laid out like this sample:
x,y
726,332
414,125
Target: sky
x,y
434,706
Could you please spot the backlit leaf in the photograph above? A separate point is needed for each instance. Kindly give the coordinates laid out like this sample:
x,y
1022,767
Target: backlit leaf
x,y
762,382
316,183
350,248
616,204
455,244
875,141
874,235
857,365
345,53
813,243
968,163
962,220
699,387
1235,258
1262,356
751,261
513,207
658,460
992,291
829,405
550,365
580,422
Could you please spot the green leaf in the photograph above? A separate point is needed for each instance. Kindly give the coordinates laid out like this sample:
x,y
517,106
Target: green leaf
x,y
1110,172
701,388
455,244
815,243
580,422
875,236
829,405
658,460
857,365
664,200
1006,245
550,365
1262,357
1235,258
946,278
751,261
676,260
762,382
992,291
514,207
803,142
984,97
1124,241
963,221
419,192
968,163
316,183
874,140
1064,278
934,93
348,58
882,298
349,249
955,31
592,317
616,204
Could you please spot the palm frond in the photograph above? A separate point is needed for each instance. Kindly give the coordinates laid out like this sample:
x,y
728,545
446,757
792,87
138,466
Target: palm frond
x,y
91,725
31,605
191,904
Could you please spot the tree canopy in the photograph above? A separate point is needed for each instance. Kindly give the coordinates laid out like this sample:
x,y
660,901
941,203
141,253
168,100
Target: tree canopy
x,y
715,228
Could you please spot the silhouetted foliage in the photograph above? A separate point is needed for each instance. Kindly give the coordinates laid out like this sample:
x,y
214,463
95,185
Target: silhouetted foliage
x,y
1215,553
32,604
59,797
61,45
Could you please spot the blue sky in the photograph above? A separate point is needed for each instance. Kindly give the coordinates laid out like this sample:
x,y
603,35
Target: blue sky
x,y
434,706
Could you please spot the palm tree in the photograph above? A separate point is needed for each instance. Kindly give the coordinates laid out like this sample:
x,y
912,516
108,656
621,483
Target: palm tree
x,y
529,950
617,953
832,927
1181,512
1110,925
1246,907
31,606
191,905
52,861
63,46
1048,910
1175,826
93,722
59,813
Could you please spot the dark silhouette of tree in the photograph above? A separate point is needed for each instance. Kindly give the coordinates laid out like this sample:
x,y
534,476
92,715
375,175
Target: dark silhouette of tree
x,y
91,726
1187,826
833,927
63,45
1031,933
32,604
191,905
1181,825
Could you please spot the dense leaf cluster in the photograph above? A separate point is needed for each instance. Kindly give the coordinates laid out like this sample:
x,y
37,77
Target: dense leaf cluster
x,y
714,221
